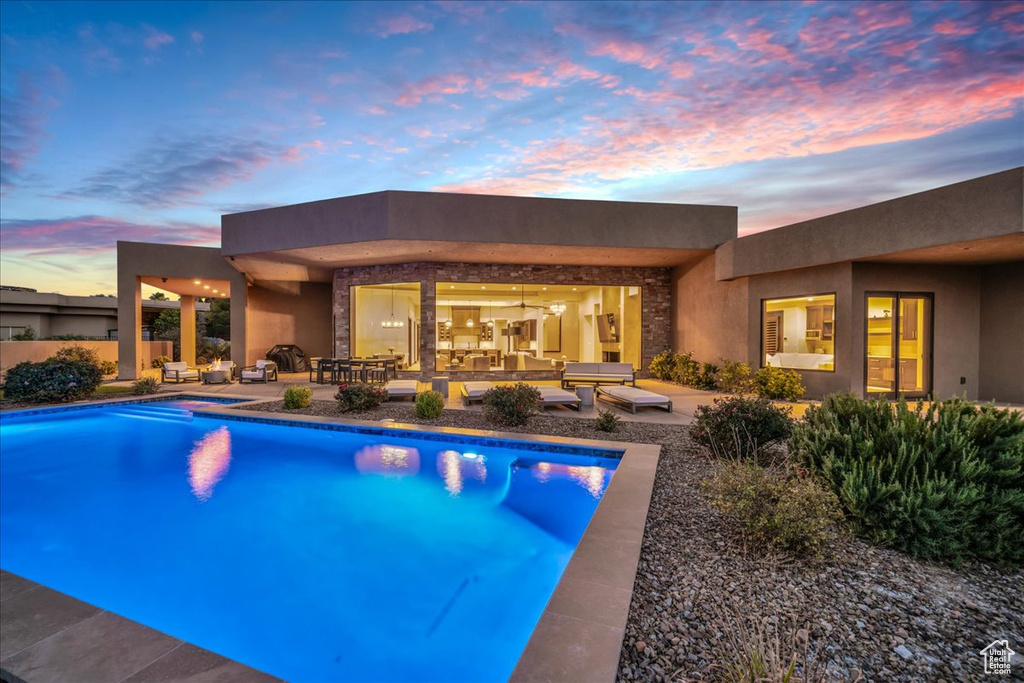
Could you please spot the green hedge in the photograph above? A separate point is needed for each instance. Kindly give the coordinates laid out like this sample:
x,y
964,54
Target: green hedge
x,y
510,405
52,381
944,482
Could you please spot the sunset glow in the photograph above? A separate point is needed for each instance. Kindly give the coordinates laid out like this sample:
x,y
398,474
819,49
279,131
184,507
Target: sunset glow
x,y
147,121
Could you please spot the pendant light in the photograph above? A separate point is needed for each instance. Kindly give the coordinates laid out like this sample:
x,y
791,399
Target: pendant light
x,y
392,322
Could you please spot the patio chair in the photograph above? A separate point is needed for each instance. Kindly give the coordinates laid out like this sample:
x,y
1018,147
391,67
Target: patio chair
x,y
178,372
264,371
314,366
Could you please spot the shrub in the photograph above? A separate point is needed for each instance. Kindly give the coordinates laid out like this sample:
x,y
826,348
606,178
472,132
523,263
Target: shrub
x,y
946,482
742,428
606,421
358,398
54,380
663,365
429,405
754,650
27,334
776,383
511,405
734,377
145,386
77,352
108,367
297,397
159,361
787,509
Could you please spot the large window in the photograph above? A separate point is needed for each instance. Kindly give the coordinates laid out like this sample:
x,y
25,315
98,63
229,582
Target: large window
x,y
799,332
899,344
385,322
515,327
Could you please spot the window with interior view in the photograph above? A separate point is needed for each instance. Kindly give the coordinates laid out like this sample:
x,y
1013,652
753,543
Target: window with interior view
x,y
515,327
799,332
385,322
899,338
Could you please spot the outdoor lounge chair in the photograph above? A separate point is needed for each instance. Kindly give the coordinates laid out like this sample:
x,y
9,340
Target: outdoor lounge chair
x,y
402,388
474,391
633,398
553,396
264,371
179,372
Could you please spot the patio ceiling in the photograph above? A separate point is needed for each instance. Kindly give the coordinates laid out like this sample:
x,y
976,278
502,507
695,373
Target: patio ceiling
x,y
218,289
318,263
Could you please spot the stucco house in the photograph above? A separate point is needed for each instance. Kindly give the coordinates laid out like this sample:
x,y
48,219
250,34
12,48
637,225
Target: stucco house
x,y
920,295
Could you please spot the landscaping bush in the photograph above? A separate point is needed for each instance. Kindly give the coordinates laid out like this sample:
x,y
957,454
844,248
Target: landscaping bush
x,y
742,428
358,398
159,361
776,383
511,405
429,405
606,421
297,397
734,377
27,334
108,367
788,509
77,352
145,386
54,380
944,482
663,366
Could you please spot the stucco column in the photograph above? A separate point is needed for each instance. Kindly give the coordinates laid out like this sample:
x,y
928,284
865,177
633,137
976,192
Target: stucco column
x,y
239,321
129,324
187,339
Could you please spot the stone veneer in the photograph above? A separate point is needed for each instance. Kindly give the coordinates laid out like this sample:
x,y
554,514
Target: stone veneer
x,y
655,304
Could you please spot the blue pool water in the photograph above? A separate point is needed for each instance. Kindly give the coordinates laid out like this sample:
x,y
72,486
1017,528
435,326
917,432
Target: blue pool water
x,y
314,555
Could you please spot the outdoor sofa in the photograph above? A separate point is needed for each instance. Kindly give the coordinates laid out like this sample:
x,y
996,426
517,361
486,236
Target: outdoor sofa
x,y
597,374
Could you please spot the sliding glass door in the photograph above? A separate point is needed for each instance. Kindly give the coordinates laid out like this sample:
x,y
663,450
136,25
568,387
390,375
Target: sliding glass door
x,y
898,349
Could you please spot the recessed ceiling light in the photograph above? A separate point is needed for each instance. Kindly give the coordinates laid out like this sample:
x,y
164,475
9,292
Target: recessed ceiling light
x,y
198,282
451,287
206,286
483,286
574,289
544,288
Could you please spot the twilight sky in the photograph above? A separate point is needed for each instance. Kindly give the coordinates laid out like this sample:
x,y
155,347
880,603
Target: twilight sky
x,y
147,121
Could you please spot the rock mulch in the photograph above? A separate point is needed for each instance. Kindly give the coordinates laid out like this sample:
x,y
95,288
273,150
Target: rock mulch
x,y
867,613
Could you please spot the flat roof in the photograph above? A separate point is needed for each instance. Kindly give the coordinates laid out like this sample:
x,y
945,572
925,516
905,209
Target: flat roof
x,y
309,241
975,222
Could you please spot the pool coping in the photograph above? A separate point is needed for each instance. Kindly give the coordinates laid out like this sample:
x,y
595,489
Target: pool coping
x,y
579,635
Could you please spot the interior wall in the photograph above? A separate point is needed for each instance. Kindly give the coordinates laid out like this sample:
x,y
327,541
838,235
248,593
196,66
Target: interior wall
x,y
957,316
1001,361
710,316
288,313
373,307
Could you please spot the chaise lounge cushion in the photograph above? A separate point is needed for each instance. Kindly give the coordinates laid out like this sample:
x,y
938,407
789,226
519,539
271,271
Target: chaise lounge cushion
x,y
475,391
401,387
640,397
179,370
557,396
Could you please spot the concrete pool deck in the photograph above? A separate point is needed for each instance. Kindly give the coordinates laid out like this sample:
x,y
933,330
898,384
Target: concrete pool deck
x,y
46,635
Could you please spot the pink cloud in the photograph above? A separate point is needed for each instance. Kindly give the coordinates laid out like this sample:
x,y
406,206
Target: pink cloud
x,y
951,28
619,48
80,235
432,89
196,36
156,39
402,24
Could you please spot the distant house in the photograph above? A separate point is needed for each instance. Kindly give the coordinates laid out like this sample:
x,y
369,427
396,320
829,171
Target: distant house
x,y
916,296
52,315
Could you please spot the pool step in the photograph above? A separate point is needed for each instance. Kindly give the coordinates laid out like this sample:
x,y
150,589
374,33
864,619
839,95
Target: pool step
x,y
155,412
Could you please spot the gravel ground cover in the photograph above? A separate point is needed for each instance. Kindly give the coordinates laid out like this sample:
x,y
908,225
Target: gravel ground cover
x,y
866,612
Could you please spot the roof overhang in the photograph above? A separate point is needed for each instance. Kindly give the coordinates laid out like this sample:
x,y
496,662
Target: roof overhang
x,y
309,241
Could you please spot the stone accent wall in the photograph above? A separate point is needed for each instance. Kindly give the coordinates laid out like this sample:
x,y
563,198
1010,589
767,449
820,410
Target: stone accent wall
x,y
656,301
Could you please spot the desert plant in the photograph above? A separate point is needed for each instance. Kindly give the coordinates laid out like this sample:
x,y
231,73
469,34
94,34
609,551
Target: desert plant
x,y
777,383
429,405
108,367
663,365
742,427
296,397
159,361
358,398
785,507
27,334
943,482
510,405
606,421
53,380
734,377
144,386
77,352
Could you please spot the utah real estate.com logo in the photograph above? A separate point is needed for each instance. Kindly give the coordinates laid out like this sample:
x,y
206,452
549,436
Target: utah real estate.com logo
x,y
997,657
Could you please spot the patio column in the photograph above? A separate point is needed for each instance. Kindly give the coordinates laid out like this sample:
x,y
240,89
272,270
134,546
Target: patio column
x,y
187,339
129,324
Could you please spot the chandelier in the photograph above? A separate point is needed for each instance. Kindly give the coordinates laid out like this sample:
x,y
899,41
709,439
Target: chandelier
x,y
558,309
393,322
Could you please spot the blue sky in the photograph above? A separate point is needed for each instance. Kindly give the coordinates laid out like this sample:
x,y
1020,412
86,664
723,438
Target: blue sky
x,y
148,121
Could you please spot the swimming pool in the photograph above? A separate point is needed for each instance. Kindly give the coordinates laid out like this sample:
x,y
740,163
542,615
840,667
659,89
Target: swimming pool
x,y
312,554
